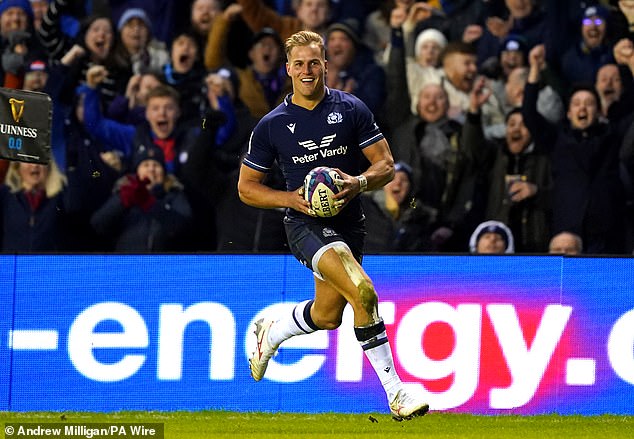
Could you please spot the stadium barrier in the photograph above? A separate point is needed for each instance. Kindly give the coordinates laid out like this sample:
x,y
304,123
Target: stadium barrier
x,y
478,334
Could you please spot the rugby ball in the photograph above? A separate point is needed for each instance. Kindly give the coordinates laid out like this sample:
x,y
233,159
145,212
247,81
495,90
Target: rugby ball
x,y
320,185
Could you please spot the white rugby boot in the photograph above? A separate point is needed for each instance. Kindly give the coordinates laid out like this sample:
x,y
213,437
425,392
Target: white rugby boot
x,y
263,351
406,406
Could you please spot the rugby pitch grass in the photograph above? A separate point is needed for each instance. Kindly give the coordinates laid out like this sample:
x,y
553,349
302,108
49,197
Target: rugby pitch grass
x,y
221,424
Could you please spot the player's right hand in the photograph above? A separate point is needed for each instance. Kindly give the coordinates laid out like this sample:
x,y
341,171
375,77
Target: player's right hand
x,y
299,203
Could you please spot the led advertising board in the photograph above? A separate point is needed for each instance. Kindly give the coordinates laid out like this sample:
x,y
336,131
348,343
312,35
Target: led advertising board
x,y
477,334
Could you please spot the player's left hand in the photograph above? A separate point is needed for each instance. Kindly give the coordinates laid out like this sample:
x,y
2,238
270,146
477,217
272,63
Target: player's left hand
x,y
349,189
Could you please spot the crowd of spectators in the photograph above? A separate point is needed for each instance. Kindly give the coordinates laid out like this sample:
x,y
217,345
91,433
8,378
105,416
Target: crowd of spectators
x,y
510,121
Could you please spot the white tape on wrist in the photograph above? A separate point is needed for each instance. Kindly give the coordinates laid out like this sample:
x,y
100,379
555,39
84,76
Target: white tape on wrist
x,y
363,183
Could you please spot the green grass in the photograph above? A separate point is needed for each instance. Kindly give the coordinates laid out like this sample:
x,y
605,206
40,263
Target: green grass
x,y
219,424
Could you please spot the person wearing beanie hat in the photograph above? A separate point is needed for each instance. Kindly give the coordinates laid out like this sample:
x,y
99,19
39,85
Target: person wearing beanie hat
x,y
518,181
263,82
526,18
428,47
144,153
514,43
403,167
133,13
456,75
513,54
148,210
395,220
349,26
492,237
351,66
595,11
35,75
587,191
264,33
162,112
138,52
19,21
18,41
581,61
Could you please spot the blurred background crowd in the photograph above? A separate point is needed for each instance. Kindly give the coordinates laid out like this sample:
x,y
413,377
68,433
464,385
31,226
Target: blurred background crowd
x,y
510,121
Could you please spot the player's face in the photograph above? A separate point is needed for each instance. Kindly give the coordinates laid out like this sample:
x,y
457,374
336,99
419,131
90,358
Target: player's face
x,y
491,243
583,110
307,69
162,112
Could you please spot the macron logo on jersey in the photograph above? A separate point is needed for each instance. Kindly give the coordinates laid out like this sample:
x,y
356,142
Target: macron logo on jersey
x,y
291,127
325,142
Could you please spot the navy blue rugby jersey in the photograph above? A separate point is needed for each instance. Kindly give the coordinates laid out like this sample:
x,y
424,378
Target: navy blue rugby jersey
x,y
332,134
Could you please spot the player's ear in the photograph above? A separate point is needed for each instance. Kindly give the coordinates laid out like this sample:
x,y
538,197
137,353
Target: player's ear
x,y
288,69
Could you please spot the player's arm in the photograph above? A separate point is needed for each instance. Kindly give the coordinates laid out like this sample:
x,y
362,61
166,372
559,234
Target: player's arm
x,y
254,192
380,172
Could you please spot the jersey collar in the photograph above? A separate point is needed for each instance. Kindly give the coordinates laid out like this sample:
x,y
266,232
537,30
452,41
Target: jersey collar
x,y
288,98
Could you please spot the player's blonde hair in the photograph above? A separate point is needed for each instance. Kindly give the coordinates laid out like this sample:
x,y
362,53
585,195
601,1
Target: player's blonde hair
x,y
55,181
304,38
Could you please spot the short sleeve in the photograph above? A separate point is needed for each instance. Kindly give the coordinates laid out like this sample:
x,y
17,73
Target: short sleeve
x,y
260,151
369,131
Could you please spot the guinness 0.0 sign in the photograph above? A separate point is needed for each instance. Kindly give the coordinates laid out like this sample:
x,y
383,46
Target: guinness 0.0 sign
x,y
25,125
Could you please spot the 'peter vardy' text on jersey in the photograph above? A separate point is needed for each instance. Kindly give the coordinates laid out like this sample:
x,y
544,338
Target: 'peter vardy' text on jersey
x,y
332,134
